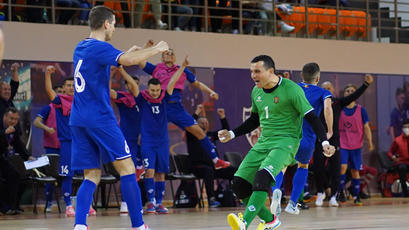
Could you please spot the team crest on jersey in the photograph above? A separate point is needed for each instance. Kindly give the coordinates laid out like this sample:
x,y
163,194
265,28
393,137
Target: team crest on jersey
x,y
258,99
276,99
255,134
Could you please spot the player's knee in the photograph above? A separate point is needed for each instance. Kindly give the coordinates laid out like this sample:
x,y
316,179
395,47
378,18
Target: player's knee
x,y
149,173
196,131
125,166
241,187
93,175
262,181
301,165
355,173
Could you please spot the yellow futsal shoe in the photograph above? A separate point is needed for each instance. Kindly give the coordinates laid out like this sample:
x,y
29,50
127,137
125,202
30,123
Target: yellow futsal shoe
x,y
236,222
270,225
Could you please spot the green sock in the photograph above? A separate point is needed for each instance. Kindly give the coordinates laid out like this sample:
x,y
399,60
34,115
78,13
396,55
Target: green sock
x,y
255,204
265,214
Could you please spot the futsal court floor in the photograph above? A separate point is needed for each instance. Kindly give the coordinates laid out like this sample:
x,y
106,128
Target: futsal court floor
x,y
377,213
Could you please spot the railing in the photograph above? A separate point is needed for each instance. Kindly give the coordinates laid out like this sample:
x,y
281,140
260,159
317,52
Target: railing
x,y
369,20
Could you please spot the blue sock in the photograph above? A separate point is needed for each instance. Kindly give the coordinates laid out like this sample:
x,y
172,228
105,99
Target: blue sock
x,y
84,201
150,188
159,191
66,188
279,181
299,180
208,147
49,189
356,183
342,179
132,195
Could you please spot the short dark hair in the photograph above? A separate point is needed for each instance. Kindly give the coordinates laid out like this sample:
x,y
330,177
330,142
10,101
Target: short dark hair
x,y
98,15
56,87
309,71
280,74
67,79
10,110
405,121
153,81
399,91
267,60
350,86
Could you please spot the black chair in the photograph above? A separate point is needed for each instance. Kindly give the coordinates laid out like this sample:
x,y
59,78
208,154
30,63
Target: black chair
x,y
38,180
110,178
387,167
234,158
185,173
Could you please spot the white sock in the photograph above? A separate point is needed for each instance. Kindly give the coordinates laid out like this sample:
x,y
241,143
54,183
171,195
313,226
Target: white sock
x,y
142,227
215,160
80,227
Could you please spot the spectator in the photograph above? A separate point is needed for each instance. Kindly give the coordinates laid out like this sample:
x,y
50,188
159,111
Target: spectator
x,y
195,23
10,144
157,13
268,13
85,4
214,12
399,153
176,8
66,14
8,91
398,114
202,165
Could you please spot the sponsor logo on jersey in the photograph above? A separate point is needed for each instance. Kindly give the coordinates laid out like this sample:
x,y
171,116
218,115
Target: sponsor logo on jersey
x,y
251,208
258,99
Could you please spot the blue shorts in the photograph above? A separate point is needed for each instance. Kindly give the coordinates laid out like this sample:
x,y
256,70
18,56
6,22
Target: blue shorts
x,y
135,151
65,159
178,115
352,156
90,145
51,150
306,150
156,156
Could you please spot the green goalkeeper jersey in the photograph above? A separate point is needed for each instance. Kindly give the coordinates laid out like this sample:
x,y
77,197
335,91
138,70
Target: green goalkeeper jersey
x,y
281,112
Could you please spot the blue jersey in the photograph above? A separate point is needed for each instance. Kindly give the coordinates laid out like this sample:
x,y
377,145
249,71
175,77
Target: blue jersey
x,y
154,125
44,112
177,93
91,105
63,130
130,120
316,96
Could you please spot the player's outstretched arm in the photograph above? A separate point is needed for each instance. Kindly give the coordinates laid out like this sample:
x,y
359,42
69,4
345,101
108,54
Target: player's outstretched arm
x,y
329,116
249,125
133,87
39,123
14,70
319,130
354,96
142,64
48,84
176,76
205,88
137,56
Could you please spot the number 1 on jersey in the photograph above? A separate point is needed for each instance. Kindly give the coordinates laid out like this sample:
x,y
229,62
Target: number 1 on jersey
x,y
266,109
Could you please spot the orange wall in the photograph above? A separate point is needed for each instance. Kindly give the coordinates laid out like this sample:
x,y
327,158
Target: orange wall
x,y
28,41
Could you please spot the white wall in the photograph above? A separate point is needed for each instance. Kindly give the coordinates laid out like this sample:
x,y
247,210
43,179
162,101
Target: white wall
x,y
29,41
